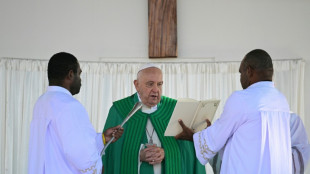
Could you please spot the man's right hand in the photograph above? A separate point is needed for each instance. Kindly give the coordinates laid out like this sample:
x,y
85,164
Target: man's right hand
x,y
187,133
115,132
152,154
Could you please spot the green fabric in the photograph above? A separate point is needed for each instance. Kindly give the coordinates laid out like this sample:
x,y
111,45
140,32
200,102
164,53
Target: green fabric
x,y
122,156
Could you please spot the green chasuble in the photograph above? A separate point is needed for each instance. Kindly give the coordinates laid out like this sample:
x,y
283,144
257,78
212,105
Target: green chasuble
x,y
121,157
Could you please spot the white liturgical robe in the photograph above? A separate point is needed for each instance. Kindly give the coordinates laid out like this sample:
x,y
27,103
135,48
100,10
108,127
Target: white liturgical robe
x,y
254,128
62,139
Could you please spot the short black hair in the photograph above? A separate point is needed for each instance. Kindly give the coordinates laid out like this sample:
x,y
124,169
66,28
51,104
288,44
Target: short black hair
x,y
59,66
258,59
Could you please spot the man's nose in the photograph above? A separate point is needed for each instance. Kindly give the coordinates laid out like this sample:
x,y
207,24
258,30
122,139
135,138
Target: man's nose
x,y
155,88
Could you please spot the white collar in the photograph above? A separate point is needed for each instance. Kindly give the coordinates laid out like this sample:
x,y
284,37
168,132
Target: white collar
x,y
58,89
146,109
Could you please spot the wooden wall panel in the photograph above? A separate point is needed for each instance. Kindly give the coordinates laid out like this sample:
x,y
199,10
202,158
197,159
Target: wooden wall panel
x,y
162,28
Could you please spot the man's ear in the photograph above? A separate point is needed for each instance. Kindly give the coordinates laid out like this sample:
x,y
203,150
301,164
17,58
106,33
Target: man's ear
x,y
70,75
249,71
135,82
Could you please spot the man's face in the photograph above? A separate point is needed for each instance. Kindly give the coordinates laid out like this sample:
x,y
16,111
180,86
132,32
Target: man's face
x,y
149,86
244,80
76,84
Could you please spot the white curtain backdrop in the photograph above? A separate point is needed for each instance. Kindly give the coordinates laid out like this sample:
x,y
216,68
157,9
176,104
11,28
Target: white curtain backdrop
x,y
23,81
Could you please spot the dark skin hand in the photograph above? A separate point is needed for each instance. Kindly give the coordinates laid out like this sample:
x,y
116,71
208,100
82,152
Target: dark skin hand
x,y
187,133
116,132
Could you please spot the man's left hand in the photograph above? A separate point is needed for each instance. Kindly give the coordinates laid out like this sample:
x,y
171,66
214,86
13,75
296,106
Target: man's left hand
x,y
186,134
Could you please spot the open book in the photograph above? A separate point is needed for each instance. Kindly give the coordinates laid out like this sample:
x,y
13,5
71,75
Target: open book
x,y
193,113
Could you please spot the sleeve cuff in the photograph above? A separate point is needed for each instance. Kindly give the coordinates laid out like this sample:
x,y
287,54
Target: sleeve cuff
x,y
203,152
94,169
199,156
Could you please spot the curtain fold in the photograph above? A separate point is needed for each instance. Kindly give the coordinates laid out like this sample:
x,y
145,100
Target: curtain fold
x,y
23,81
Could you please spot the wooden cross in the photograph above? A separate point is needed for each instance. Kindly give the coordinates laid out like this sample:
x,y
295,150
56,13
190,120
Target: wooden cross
x,y
162,28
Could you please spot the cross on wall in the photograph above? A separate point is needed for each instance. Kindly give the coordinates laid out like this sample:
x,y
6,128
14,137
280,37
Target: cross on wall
x,y
162,28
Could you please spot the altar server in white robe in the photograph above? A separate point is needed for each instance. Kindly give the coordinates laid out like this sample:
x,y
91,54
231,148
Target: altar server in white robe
x,y
254,126
300,148
62,139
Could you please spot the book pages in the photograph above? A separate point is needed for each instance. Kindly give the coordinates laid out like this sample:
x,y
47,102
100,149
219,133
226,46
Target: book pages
x,y
206,110
187,110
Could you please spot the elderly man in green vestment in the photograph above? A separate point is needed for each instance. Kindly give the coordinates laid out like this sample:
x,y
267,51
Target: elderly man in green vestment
x,y
143,148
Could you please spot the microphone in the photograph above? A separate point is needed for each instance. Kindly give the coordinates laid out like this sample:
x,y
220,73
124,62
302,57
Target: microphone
x,y
135,108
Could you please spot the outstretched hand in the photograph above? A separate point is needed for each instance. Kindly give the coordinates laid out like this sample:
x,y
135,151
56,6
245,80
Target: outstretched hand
x,y
115,132
186,134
